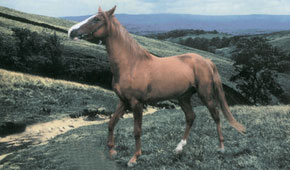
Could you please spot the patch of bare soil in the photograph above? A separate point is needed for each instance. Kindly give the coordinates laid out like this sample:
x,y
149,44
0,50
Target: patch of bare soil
x,y
41,133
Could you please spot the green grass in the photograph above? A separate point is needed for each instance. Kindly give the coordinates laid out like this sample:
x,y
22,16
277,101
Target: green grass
x,y
7,24
31,99
279,39
266,144
282,43
61,23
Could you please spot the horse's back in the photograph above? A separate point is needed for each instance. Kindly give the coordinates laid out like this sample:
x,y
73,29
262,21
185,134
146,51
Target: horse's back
x,y
202,68
189,65
195,60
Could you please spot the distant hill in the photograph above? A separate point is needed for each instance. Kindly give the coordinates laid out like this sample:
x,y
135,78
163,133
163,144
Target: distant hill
x,y
280,40
233,24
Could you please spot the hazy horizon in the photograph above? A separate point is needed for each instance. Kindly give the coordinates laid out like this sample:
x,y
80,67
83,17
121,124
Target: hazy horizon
x,y
64,8
186,14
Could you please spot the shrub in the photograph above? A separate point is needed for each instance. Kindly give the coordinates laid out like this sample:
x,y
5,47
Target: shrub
x,y
8,52
180,33
206,44
52,49
31,52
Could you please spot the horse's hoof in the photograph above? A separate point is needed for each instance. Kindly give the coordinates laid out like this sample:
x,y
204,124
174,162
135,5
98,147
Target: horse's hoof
x,y
221,150
131,164
113,154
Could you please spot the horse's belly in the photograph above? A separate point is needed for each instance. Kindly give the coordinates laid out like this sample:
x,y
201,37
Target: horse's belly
x,y
168,87
158,81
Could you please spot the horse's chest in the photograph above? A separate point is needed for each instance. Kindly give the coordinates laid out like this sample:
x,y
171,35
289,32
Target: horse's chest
x,y
131,88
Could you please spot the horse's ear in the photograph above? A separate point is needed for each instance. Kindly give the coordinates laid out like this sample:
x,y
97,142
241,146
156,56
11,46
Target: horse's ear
x,y
111,11
100,9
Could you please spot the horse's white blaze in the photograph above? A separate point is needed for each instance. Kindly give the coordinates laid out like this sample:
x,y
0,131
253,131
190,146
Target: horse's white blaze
x,y
78,25
180,146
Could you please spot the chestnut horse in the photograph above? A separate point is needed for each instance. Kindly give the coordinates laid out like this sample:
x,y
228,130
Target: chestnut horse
x,y
140,77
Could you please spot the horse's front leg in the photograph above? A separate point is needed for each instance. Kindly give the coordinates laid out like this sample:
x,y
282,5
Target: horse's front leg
x,y
115,118
137,108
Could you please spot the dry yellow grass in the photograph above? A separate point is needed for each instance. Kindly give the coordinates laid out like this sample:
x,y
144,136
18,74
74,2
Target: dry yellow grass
x,y
10,79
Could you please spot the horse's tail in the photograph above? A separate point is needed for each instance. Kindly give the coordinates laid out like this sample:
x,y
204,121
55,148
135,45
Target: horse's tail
x,y
220,97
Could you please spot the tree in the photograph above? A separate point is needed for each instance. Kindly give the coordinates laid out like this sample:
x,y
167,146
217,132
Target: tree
x,y
256,62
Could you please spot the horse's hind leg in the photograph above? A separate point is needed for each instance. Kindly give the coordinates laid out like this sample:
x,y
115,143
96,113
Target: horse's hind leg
x,y
185,105
115,118
207,98
215,115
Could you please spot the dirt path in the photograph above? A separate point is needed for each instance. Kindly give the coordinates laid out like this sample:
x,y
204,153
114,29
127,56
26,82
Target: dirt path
x,y
41,133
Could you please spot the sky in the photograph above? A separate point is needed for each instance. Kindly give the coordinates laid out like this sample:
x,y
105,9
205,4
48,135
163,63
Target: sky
x,y
58,8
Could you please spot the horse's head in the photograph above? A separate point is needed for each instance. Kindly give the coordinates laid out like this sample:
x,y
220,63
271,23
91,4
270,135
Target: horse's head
x,y
93,28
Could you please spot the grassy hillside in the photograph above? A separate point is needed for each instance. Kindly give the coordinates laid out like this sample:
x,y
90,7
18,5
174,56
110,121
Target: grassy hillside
x,y
266,144
27,99
37,18
280,40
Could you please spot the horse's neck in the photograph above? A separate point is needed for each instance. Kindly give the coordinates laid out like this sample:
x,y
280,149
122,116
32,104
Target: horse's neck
x,y
123,51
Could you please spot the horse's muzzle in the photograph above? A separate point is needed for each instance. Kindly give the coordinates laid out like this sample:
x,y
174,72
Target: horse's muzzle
x,y
75,35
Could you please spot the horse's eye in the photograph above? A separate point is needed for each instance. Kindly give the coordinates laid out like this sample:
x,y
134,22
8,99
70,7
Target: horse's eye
x,y
96,19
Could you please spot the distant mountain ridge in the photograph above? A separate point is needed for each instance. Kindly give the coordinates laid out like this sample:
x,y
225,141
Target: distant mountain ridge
x,y
233,24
